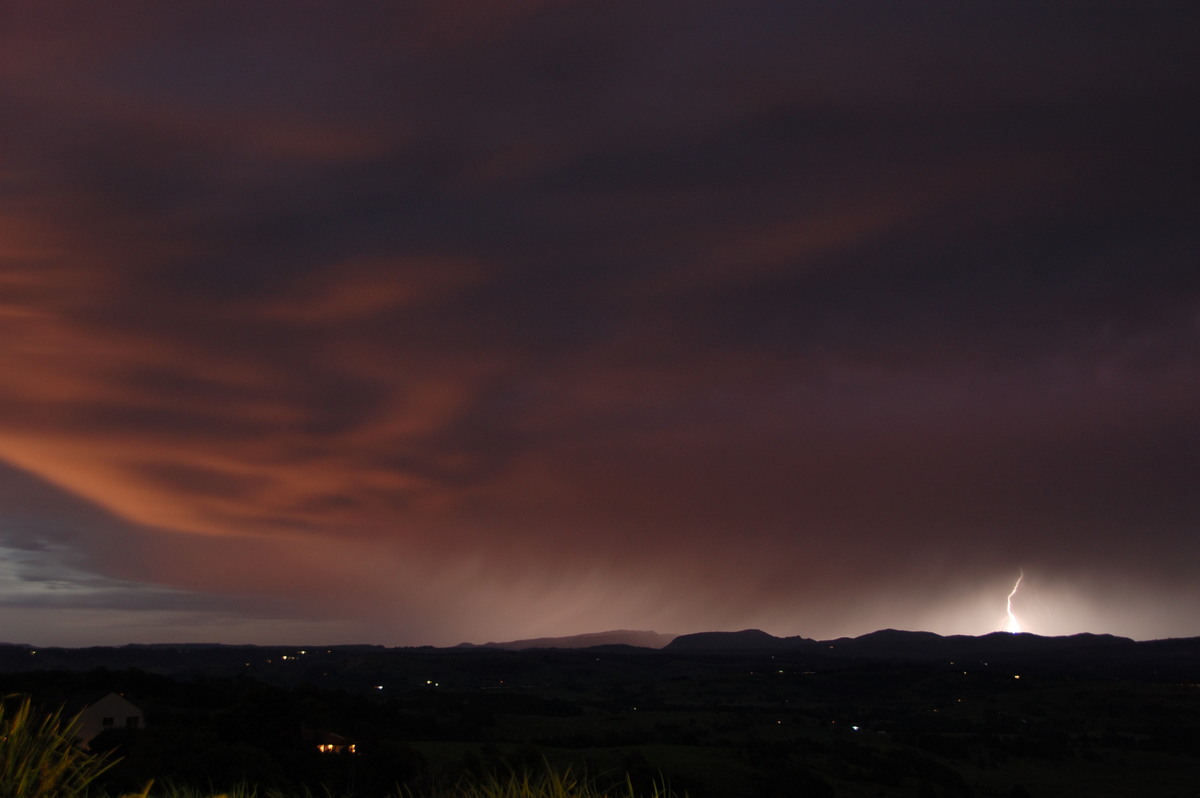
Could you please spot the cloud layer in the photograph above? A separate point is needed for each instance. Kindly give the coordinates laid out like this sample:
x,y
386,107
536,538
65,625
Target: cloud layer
x,y
429,322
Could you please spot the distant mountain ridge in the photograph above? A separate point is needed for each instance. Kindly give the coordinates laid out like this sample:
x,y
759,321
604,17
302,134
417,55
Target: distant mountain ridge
x,y
618,637
894,644
1175,659
891,644
745,640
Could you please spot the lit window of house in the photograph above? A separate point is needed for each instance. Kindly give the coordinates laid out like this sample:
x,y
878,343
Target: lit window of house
x,y
330,743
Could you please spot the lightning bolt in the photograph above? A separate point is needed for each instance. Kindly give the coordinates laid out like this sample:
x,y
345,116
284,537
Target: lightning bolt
x,y
1013,625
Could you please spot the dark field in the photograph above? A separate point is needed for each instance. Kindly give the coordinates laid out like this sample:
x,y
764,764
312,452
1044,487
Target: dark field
x,y
893,716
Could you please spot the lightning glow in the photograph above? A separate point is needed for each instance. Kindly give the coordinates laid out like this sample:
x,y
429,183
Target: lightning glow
x,y
1013,625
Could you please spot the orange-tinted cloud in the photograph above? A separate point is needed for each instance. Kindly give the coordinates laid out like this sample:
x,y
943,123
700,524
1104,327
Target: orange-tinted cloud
x,y
426,324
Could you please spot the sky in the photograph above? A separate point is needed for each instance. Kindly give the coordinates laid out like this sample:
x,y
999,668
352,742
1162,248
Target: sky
x,y
417,322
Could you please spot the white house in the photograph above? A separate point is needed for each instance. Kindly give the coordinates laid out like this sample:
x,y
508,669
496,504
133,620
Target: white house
x,y
112,711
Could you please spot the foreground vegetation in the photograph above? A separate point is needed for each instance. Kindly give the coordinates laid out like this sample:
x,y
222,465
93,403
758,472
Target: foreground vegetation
x,y
542,783
39,759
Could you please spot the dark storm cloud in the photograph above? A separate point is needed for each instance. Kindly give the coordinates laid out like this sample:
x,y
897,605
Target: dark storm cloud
x,y
579,314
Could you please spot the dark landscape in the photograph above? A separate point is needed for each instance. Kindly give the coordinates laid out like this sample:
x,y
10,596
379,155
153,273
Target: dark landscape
x,y
715,714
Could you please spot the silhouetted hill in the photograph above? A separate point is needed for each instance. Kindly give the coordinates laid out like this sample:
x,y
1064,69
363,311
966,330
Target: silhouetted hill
x,y
354,665
745,640
1083,652
619,637
925,646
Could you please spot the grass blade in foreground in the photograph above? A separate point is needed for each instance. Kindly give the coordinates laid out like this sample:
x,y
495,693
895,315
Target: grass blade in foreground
x,y
38,757
543,784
